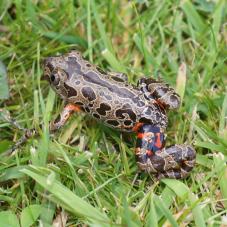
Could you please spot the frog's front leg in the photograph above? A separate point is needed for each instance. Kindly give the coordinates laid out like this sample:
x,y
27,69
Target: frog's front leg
x,y
68,110
159,91
172,162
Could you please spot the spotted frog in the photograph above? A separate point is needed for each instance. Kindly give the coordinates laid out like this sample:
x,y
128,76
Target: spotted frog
x,y
108,97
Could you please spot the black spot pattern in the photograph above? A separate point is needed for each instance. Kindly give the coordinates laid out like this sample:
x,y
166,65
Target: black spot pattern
x,y
87,109
118,79
70,90
145,120
96,115
101,70
104,107
127,122
120,113
57,119
88,93
112,122
80,104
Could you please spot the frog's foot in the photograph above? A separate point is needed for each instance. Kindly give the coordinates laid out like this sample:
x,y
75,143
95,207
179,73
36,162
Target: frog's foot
x,y
161,92
68,110
179,161
172,162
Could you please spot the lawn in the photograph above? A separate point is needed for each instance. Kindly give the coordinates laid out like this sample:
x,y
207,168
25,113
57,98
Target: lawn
x,y
85,174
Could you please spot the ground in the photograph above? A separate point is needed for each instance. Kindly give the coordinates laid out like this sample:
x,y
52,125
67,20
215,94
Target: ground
x,y
86,173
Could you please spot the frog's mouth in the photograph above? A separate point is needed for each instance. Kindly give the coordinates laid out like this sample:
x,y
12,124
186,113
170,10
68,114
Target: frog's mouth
x,y
46,77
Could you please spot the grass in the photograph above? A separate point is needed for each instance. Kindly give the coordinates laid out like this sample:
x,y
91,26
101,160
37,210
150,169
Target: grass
x,y
86,169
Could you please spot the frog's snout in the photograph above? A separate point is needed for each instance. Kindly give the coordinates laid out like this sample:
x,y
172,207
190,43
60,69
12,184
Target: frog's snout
x,y
47,68
47,62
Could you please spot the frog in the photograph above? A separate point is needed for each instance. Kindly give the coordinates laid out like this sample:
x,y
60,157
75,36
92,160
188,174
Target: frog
x,y
138,109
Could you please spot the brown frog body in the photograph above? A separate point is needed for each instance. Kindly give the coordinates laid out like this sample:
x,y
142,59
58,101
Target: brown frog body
x,y
108,97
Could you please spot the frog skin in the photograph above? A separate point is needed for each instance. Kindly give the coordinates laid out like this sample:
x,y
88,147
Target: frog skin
x,y
108,97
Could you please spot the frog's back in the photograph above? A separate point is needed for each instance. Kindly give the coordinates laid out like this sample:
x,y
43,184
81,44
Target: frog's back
x,y
106,97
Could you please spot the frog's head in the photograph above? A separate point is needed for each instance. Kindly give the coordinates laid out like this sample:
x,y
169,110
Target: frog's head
x,y
58,70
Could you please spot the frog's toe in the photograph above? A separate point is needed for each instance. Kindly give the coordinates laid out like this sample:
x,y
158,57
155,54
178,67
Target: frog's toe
x,y
189,152
184,158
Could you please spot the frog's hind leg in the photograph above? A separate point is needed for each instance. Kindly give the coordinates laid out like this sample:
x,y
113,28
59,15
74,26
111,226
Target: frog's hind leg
x,y
68,110
173,162
179,161
159,91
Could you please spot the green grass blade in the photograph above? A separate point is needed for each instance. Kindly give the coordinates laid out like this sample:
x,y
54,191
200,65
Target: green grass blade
x,y
80,186
12,173
69,39
221,169
151,219
4,88
223,117
217,16
144,47
77,206
168,197
211,146
36,108
144,50
178,32
166,212
8,218
129,218
204,160
89,30
30,214
115,64
101,28
30,13
193,16
49,107
5,145
47,214
197,212
179,188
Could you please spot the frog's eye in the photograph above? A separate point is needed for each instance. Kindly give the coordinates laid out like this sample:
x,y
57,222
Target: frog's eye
x,y
54,78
